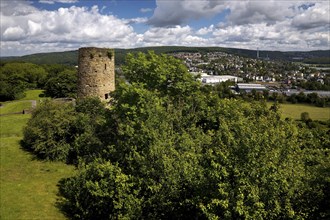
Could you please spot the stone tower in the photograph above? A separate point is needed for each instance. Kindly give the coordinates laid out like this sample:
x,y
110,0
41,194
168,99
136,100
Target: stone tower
x,y
96,72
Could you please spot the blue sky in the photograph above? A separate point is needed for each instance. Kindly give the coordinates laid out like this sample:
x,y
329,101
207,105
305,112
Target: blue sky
x,y
57,25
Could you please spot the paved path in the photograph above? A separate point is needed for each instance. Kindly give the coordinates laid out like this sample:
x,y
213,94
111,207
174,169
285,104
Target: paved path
x,y
33,103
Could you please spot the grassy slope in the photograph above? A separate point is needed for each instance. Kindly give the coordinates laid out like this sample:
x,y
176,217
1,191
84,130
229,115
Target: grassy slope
x,y
13,107
27,186
294,111
24,103
32,94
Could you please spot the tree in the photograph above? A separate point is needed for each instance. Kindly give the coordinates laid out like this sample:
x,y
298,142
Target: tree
x,y
11,87
160,72
305,117
247,166
233,160
169,149
31,75
89,131
49,133
62,85
151,144
100,191
16,77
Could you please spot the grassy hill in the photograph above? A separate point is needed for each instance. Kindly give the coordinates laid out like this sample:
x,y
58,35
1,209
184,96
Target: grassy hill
x,y
28,187
66,57
71,57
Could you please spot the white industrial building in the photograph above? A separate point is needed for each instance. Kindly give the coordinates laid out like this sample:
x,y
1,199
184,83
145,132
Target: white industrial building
x,y
248,87
213,79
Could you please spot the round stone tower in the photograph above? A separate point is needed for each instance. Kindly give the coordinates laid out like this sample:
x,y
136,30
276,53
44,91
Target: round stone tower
x,y
96,72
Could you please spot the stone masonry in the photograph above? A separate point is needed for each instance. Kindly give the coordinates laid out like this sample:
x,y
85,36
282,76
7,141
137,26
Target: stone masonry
x,y
96,72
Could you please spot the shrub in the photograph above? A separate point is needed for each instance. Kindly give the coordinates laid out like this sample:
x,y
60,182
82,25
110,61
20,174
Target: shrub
x,y
48,133
100,191
305,117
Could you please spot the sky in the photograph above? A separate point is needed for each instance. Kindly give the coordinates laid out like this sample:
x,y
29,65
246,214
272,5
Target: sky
x,y
38,26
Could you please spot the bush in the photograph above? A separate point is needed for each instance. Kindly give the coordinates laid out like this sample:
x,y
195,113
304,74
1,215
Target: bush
x,y
305,117
48,133
100,191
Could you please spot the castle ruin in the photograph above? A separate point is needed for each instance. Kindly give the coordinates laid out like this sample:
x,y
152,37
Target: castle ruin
x,y
96,72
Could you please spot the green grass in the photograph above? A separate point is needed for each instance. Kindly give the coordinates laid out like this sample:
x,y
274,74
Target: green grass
x,y
28,187
315,113
24,103
33,94
14,107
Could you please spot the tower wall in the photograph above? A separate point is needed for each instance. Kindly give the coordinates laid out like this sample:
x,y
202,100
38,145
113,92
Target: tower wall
x,y
96,72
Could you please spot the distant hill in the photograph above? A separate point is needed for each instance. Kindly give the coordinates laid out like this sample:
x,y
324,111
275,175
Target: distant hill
x,y
71,57
66,58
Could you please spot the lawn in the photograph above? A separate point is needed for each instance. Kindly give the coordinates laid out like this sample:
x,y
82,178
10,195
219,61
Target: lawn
x,y
15,107
315,113
33,94
28,187
24,103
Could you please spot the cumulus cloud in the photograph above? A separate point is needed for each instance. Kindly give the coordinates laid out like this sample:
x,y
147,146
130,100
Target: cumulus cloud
x,y
176,35
280,36
274,25
205,30
60,1
269,25
65,27
171,13
251,12
13,33
314,16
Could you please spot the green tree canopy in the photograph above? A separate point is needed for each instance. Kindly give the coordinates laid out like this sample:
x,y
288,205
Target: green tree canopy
x,y
15,77
49,133
168,148
159,72
62,85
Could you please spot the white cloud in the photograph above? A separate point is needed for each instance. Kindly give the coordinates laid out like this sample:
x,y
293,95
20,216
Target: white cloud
x,y
65,27
274,24
177,35
313,17
13,33
135,20
146,10
251,12
60,1
279,36
170,13
205,30
34,27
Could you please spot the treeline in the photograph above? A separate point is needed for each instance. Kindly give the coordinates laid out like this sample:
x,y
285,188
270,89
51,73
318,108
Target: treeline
x,y
169,148
315,85
224,91
16,77
70,57
318,60
311,98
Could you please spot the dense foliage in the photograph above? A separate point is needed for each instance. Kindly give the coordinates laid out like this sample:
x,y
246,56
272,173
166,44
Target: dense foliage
x,y
63,84
16,77
49,134
168,148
